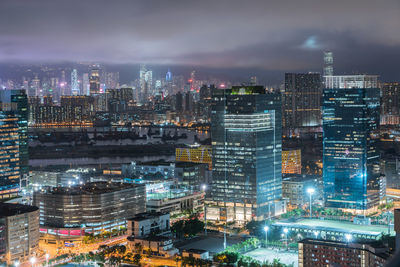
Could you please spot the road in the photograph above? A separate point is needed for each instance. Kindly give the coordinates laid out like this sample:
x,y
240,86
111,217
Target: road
x,y
54,251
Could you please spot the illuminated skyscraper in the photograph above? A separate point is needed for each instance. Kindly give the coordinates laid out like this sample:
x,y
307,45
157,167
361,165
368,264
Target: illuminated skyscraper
x,y
328,63
112,80
35,89
85,84
15,102
301,101
351,170
168,76
10,173
74,82
94,81
390,103
146,83
246,154
253,80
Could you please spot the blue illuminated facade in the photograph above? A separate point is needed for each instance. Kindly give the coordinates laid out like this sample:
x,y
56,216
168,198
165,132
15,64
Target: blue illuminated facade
x,y
351,172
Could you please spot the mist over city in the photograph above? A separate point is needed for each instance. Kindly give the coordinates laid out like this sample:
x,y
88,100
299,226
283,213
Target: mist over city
x,y
199,133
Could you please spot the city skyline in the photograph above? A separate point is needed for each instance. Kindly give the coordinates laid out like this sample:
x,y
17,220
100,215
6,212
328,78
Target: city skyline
x,y
250,39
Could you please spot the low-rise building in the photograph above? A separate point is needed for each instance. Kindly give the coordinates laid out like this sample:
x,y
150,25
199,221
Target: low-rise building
x,y
315,253
193,175
294,189
196,253
67,213
160,246
144,224
162,168
19,232
176,201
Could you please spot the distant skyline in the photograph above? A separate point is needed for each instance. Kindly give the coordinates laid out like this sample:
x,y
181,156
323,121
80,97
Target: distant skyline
x,y
230,37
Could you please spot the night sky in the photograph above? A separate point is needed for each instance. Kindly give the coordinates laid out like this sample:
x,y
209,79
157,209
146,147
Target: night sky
x,y
228,37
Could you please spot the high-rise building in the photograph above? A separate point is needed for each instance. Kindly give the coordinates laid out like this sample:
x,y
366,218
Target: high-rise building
x,y
85,84
246,154
328,63
179,102
74,82
253,80
15,102
94,81
35,89
390,105
146,83
194,153
291,161
112,80
168,76
10,173
301,101
351,171
19,232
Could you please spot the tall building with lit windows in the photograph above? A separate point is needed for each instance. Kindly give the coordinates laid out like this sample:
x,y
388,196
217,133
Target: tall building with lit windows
x,y
351,172
246,154
291,161
301,103
94,81
390,104
10,173
74,82
15,103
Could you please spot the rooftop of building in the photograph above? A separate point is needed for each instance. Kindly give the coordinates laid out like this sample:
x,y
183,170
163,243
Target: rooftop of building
x,y
155,163
185,164
243,90
91,188
299,178
146,216
375,247
197,251
196,145
335,226
372,244
158,238
10,209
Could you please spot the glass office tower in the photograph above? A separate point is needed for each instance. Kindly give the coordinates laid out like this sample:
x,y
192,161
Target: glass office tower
x,y
9,155
301,101
16,102
246,147
351,171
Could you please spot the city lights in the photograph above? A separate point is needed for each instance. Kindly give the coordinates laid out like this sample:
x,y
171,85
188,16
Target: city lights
x,y
199,133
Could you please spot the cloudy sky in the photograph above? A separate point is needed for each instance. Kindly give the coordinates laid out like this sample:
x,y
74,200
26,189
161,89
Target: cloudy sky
x,y
266,36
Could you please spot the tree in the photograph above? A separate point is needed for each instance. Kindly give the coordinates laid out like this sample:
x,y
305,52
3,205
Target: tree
x,y
177,228
149,252
137,258
115,260
138,248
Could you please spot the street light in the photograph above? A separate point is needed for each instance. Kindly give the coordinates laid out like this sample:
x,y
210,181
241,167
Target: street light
x,y
285,230
32,260
316,234
266,228
16,264
310,191
204,188
348,237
